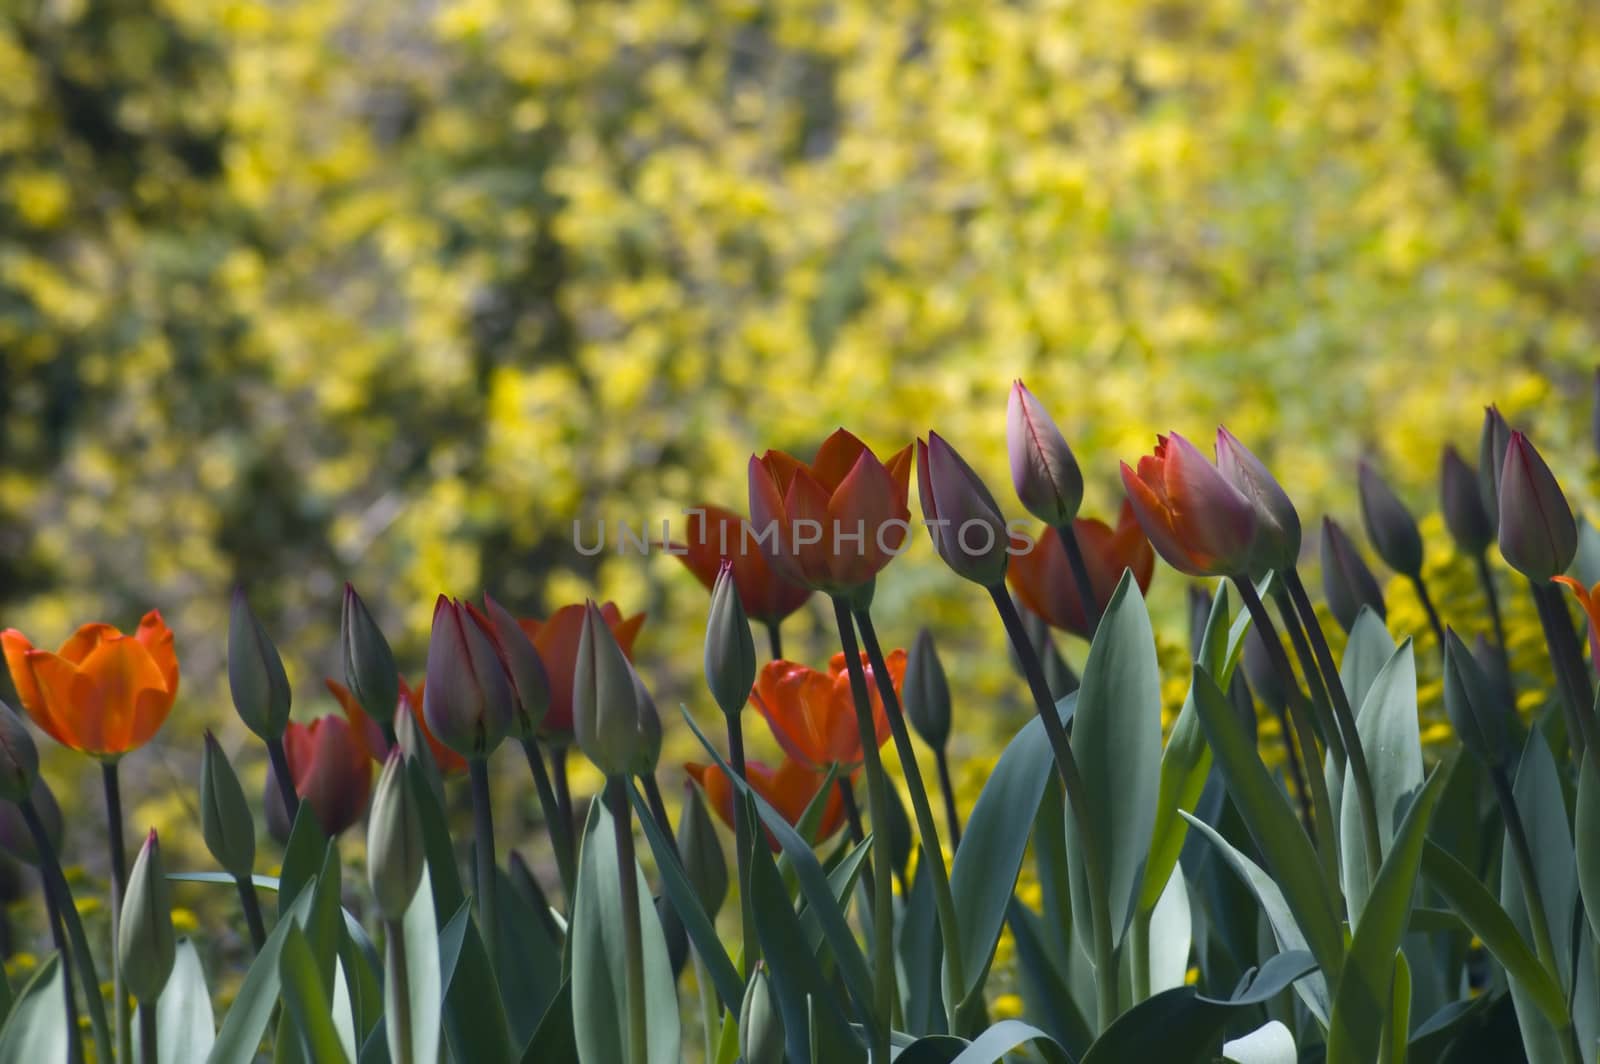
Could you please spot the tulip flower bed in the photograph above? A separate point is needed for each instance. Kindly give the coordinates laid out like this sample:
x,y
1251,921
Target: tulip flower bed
x,y
1278,874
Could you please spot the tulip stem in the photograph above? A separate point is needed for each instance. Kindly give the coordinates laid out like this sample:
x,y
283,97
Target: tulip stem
x,y
252,911
149,1045
952,814
557,825
483,851
632,930
280,772
1080,577
658,807
1321,697
775,637
856,827
1427,606
1492,598
1577,695
58,936
558,776
55,882
742,829
701,981
1344,719
883,958
119,889
398,995
1094,866
927,826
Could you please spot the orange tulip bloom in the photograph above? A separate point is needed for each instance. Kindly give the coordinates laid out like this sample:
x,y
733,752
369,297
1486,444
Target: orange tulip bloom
x,y
1589,599
371,735
789,788
1043,579
715,535
331,771
834,524
103,693
813,714
556,640
1194,516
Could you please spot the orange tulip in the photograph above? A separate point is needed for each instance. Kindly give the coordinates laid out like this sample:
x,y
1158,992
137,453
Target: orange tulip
x,y
834,524
103,693
813,714
372,738
556,640
716,535
789,788
1589,599
1043,580
1197,519
331,771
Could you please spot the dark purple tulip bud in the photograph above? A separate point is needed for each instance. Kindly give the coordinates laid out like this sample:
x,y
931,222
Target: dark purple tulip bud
x,y
964,520
256,679
612,714
1200,600
1261,673
16,840
1462,499
528,677
1277,543
1538,535
1390,526
468,700
926,692
369,668
1492,443
1347,582
1473,704
1043,470
19,758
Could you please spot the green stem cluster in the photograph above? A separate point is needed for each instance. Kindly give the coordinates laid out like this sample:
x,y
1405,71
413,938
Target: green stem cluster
x,y
632,928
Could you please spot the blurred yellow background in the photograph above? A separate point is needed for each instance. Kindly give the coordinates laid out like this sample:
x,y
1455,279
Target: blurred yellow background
x,y
301,291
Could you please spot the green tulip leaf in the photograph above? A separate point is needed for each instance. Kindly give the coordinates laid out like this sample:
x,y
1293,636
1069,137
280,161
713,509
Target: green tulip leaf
x,y
246,1021
185,1025
1387,725
307,1000
36,1029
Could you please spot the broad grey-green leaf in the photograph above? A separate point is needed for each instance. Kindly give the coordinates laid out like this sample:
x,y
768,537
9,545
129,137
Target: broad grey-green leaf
x,y
36,1030
185,1025
1271,1043
1387,725
419,932
1366,652
307,999
252,1007
1170,937
1588,843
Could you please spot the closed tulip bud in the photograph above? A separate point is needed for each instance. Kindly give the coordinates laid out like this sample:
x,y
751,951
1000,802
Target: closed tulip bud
x,y
369,668
467,699
1199,616
730,649
605,702
411,742
703,861
1259,670
761,1039
1492,443
16,841
649,752
225,820
1461,496
256,679
1277,544
1390,526
964,520
927,692
394,840
1043,469
19,758
1347,582
145,943
1476,712
1538,536
528,677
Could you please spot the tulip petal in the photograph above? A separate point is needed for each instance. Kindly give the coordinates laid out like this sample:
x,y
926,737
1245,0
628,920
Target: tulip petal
x,y
864,503
157,638
836,458
85,640
768,519
70,703
122,670
365,729
807,539
1155,517
1217,521
17,648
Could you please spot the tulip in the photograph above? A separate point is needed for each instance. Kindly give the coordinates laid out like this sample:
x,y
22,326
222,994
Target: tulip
x,y
789,788
1277,546
103,693
1390,526
377,744
1492,443
369,668
761,1039
468,700
556,640
256,679
703,860
330,769
834,524
717,536
730,651
1198,521
1461,498
1473,705
1589,599
1538,535
613,717
19,758
146,947
1043,469
395,855
926,691
225,821
1042,577
964,520
812,714
522,663
1347,582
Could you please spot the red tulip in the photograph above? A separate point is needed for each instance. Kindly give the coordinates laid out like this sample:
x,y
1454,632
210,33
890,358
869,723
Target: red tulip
x,y
1199,522
332,773
834,524
371,735
790,788
813,714
716,535
556,640
1043,579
